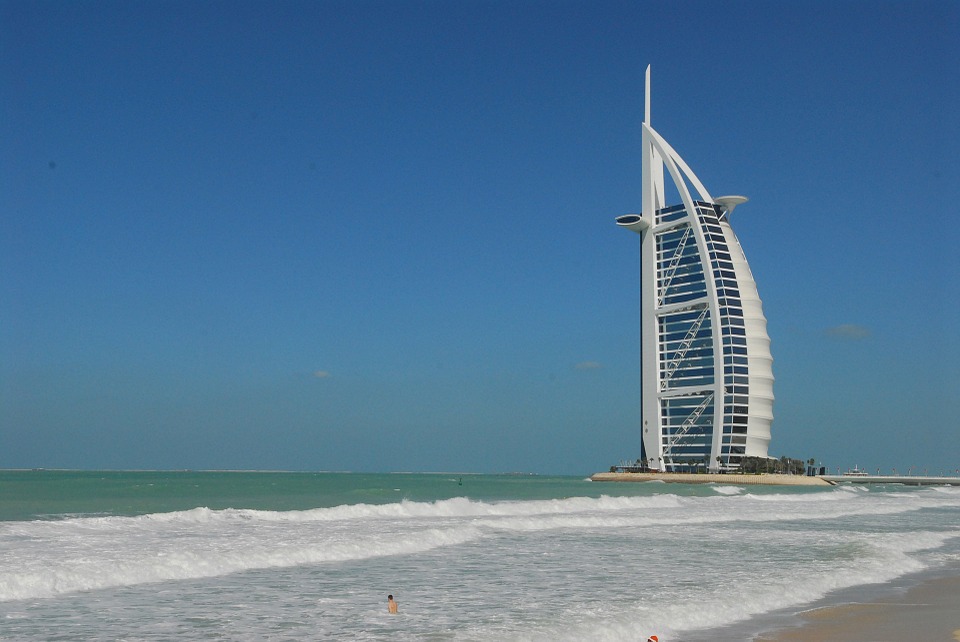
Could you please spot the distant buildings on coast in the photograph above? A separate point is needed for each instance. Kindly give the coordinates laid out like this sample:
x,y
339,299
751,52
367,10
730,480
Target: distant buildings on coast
x,y
706,368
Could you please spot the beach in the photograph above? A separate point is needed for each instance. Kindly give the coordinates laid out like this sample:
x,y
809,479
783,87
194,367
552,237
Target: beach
x,y
312,556
927,611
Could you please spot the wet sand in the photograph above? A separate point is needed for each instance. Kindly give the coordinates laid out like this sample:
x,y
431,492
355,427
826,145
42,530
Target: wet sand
x,y
929,611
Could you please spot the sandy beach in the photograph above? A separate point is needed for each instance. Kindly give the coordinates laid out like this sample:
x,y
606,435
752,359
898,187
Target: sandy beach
x,y
929,611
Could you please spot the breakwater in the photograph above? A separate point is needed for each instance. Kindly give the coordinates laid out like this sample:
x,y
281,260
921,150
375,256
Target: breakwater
x,y
910,480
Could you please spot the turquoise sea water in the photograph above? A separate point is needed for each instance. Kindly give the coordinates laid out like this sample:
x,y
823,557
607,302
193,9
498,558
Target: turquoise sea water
x,y
311,556
51,493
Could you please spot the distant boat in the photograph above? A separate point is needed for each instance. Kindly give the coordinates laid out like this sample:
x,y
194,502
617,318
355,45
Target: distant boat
x,y
856,472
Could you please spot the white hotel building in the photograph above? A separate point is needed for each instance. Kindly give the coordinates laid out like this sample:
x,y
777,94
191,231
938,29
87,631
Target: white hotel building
x,y
706,369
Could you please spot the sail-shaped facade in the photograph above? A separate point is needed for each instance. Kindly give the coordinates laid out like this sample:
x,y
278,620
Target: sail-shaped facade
x,y
706,368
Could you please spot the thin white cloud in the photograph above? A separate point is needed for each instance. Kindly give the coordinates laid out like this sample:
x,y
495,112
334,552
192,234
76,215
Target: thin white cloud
x,y
321,374
588,365
848,332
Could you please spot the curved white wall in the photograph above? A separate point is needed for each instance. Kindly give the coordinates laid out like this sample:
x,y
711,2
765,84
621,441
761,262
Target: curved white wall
x,y
759,359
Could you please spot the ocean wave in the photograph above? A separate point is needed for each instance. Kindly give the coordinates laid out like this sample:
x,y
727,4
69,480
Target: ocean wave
x,y
193,556
727,490
404,509
53,557
731,501
882,559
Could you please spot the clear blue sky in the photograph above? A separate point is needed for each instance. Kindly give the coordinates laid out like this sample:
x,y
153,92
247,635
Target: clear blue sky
x,y
379,235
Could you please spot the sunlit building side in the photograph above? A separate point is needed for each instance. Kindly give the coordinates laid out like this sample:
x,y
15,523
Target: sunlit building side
x,y
706,368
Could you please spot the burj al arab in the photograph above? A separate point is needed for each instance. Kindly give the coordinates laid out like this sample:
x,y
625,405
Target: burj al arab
x,y
706,377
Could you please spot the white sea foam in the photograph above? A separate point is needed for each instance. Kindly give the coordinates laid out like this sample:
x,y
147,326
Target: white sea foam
x,y
727,490
610,567
107,562
724,602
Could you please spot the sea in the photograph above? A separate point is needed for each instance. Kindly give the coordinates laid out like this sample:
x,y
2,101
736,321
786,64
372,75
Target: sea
x,y
187,555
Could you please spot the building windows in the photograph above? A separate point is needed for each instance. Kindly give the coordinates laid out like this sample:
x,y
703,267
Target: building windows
x,y
696,323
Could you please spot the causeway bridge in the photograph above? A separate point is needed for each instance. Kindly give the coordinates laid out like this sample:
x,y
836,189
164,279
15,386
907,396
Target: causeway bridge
x,y
910,480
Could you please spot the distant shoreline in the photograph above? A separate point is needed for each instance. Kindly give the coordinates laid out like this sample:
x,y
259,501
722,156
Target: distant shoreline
x,y
764,479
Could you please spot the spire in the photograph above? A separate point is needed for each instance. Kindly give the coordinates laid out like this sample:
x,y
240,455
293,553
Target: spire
x,y
646,99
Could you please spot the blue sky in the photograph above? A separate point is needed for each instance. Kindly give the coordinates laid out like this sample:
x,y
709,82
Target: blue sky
x,y
379,235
